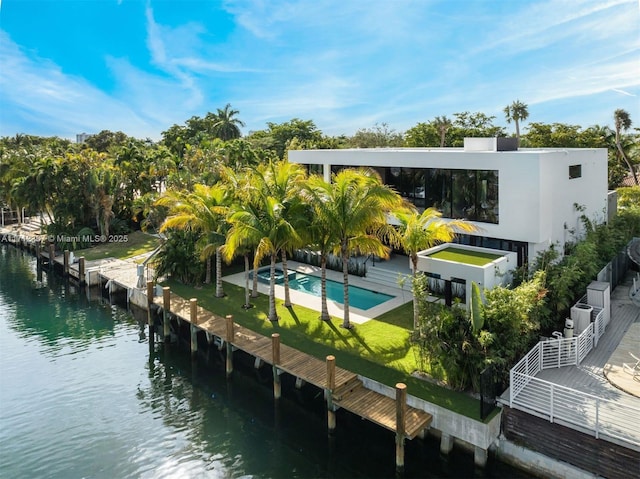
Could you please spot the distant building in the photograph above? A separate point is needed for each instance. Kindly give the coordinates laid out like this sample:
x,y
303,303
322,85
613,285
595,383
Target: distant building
x,y
82,137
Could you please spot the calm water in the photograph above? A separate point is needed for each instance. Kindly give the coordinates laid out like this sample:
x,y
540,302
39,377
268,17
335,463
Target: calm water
x,y
360,298
81,396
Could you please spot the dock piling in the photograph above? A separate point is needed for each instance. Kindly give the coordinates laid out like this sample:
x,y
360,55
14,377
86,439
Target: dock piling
x,y
331,384
149,316
81,277
166,306
229,340
193,316
65,263
401,412
52,254
275,356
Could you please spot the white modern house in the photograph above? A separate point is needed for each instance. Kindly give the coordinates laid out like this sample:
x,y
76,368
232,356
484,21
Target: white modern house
x,y
522,200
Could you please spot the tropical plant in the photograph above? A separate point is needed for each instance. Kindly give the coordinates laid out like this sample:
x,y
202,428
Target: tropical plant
x,y
516,112
269,218
420,231
442,124
204,211
226,126
622,122
354,208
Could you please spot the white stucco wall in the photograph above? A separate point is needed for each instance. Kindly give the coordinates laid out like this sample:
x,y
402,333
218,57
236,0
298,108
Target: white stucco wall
x,y
536,196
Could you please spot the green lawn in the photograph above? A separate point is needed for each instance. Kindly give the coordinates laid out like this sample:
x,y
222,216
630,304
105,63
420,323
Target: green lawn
x,y
378,349
459,255
137,243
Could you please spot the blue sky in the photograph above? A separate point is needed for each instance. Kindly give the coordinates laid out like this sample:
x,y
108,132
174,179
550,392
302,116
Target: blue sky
x,y
72,66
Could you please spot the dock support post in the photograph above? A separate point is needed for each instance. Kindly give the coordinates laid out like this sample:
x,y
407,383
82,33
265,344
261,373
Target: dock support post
x,y
446,443
193,319
65,263
52,254
149,316
331,384
230,337
166,306
81,277
275,356
401,412
480,457
38,257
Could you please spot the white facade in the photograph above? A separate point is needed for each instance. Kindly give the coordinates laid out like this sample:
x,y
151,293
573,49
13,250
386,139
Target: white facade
x,y
538,203
495,273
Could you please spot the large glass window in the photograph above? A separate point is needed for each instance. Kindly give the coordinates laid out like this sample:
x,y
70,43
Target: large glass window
x,y
467,194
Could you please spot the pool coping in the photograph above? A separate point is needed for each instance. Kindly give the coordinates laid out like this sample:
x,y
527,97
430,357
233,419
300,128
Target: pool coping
x,y
357,316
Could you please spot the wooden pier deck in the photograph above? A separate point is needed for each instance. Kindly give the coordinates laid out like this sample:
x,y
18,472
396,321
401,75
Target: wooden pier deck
x,y
349,392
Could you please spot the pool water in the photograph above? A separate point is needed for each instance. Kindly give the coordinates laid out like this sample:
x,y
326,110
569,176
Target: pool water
x,y
360,298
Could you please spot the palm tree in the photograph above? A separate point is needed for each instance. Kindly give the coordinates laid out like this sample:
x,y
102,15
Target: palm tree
x,y
622,122
204,211
262,222
226,126
354,209
515,112
283,181
442,124
323,236
420,231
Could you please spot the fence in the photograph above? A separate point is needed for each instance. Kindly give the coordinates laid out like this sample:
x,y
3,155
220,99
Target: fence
x,y
567,406
582,411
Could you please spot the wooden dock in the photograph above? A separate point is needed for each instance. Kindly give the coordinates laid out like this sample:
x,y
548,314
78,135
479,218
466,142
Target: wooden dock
x,y
348,392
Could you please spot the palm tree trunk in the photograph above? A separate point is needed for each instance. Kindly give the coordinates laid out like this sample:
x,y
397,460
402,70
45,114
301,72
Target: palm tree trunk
x,y
626,160
324,314
414,261
287,298
272,290
254,289
345,280
517,132
219,290
207,276
247,301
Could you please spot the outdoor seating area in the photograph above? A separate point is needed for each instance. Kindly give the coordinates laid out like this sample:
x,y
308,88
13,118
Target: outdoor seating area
x,y
633,369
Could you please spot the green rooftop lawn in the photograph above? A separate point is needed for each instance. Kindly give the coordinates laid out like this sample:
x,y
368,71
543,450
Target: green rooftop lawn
x,y
378,349
459,255
137,243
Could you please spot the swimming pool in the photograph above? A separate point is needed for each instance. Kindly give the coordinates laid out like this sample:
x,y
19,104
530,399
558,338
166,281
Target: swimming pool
x,y
360,298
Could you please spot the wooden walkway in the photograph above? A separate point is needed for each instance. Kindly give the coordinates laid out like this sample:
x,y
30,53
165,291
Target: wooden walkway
x,y
349,393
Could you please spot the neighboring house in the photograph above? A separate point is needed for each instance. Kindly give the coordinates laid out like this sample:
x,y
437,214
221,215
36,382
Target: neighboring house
x,y
523,200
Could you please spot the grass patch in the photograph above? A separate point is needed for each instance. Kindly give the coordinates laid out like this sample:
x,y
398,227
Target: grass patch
x,y
459,255
138,243
378,349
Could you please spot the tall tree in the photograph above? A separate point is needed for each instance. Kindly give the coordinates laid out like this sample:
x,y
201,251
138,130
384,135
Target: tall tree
x,y
356,204
442,124
516,112
203,211
622,122
226,126
420,231
269,218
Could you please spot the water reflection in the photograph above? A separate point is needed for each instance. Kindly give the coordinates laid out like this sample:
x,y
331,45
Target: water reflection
x,y
117,410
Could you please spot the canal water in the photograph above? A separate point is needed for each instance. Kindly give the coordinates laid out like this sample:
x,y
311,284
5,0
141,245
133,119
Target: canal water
x,y
81,396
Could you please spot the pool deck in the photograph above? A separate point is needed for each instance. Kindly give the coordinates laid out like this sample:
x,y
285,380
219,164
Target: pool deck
x,y
357,316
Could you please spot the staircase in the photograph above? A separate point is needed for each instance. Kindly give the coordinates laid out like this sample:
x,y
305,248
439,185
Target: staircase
x,y
387,277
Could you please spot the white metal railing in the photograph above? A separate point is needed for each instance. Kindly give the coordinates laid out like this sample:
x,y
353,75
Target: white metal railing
x,y
592,414
557,353
582,411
